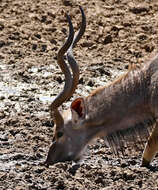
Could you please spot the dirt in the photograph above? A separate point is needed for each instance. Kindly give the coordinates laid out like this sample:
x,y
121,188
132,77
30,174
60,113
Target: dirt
x,y
119,33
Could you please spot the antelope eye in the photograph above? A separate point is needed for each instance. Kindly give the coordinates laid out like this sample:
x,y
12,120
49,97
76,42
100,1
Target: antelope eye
x,y
59,134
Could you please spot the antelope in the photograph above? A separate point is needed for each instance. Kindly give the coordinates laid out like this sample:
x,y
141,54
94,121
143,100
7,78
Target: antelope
x,y
120,112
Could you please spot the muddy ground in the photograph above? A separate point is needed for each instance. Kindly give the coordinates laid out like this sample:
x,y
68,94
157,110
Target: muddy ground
x,y
119,32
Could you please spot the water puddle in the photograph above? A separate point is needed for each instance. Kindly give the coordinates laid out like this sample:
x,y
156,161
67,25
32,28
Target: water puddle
x,y
13,161
7,166
45,99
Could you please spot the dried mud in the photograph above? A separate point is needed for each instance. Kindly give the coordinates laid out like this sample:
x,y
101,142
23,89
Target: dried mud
x,y
119,33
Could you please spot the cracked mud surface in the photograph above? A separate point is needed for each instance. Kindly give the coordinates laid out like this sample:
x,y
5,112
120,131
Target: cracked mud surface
x,y
119,32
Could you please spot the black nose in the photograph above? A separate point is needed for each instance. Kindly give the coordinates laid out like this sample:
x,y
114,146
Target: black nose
x,y
70,158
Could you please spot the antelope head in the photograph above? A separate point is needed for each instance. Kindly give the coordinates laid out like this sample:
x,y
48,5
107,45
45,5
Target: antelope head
x,y
66,144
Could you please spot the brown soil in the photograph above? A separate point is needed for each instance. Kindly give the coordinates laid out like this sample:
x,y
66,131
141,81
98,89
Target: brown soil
x,y
119,32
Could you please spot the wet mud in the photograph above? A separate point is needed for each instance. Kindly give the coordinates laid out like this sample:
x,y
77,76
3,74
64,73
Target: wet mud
x,y
119,33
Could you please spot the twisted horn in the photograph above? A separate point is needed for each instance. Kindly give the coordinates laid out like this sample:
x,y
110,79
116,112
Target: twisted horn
x,y
64,94
73,64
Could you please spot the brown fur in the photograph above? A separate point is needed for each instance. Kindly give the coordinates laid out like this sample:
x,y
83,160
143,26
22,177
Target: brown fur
x,y
121,112
118,80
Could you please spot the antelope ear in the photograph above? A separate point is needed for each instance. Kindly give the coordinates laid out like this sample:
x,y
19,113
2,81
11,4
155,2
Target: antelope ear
x,y
78,110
